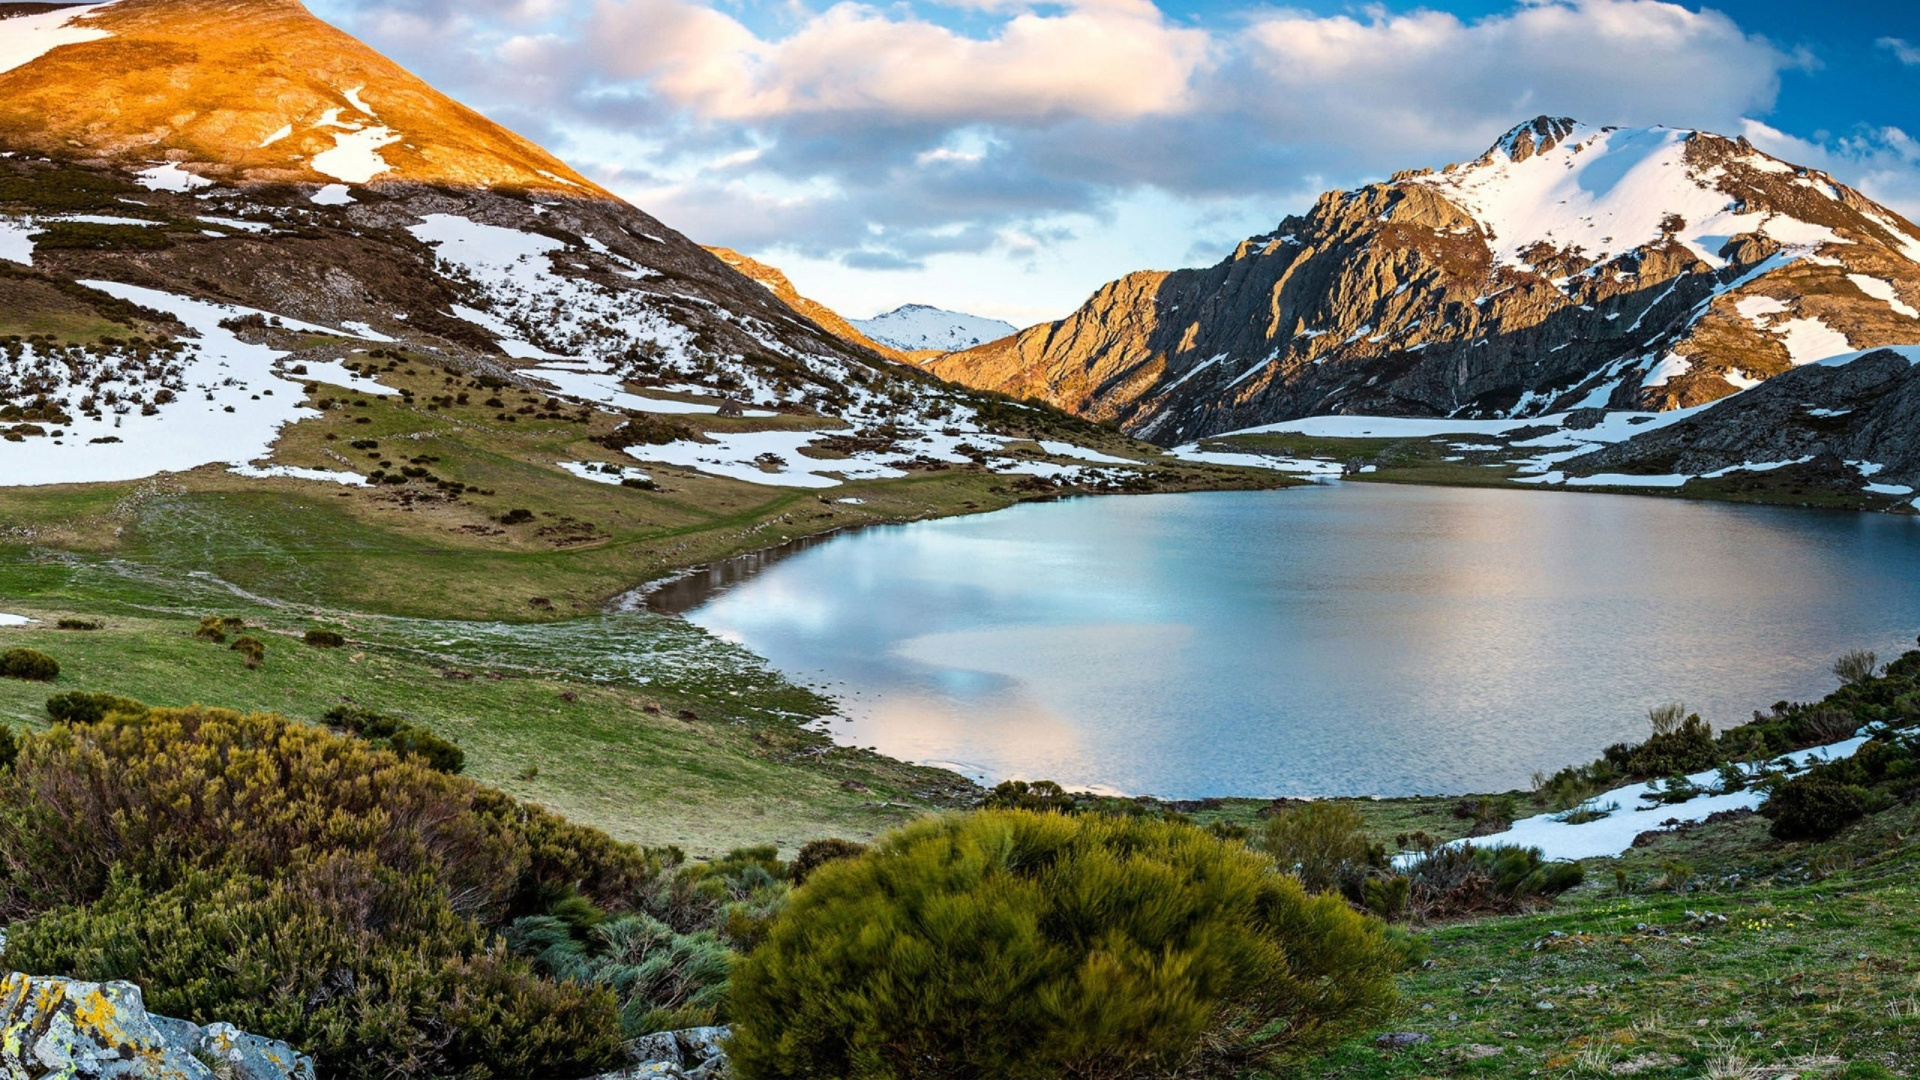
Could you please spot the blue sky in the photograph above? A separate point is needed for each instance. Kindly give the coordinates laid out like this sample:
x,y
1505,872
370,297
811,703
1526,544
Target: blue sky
x,y
1007,157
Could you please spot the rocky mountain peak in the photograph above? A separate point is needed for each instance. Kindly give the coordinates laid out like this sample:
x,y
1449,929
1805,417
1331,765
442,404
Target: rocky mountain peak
x,y
1570,266
1536,136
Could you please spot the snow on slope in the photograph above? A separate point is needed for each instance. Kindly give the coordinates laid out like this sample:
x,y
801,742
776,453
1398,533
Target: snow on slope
x,y
1608,191
229,400
917,326
26,38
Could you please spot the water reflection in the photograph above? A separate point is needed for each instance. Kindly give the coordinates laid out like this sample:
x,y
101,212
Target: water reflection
x,y
1347,639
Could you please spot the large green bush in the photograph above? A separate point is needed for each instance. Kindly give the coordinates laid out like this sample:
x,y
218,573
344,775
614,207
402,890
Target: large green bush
x,y
1813,807
371,971
307,886
1033,946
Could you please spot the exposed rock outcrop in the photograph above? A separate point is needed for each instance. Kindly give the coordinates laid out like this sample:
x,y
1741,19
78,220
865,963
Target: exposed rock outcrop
x,y
1568,266
1855,424
54,1027
691,1054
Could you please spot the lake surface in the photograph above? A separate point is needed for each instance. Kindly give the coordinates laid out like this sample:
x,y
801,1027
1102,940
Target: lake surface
x,y
1336,639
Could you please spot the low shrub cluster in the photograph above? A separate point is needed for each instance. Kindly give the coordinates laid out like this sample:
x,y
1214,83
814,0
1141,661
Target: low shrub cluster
x,y
1464,879
321,638
30,664
308,887
399,736
1028,945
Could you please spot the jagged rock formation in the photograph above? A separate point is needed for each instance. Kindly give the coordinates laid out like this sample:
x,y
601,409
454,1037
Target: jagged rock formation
x,y
1850,424
1568,266
928,331
828,319
63,1027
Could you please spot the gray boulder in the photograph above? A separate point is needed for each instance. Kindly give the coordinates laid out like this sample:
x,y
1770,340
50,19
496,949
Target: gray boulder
x,y
51,1026
691,1054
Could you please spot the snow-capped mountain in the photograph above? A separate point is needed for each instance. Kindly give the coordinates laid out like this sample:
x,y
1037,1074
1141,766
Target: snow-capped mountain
x,y
1568,266
919,328
219,218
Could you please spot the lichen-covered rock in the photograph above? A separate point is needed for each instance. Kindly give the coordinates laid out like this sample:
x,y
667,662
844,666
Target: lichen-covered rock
x,y
691,1054
54,1027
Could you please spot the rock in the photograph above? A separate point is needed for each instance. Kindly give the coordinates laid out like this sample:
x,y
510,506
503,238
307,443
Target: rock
x,y
689,1054
1400,1040
51,1026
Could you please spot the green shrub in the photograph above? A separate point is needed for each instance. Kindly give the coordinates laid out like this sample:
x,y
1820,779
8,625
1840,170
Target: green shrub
x,y
1323,844
80,707
1462,879
1813,807
1686,747
664,980
437,752
398,735
175,790
30,664
212,628
251,649
369,970
818,853
1024,945
324,639
1856,667
71,623
1021,795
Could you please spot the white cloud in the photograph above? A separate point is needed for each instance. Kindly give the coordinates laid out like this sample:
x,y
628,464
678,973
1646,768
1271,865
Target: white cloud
x,y
1902,50
1110,60
888,139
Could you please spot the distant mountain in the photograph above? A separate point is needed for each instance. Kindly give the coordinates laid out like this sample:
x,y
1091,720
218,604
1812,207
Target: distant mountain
x,y
919,328
1568,266
776,281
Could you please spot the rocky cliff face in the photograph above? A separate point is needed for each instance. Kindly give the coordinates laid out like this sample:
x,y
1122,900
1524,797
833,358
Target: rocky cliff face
x,y
1568,266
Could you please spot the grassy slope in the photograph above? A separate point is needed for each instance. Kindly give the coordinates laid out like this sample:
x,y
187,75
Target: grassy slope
x,y
1813,973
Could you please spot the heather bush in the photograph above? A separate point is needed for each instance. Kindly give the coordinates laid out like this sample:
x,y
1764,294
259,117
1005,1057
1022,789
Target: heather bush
x,y
817,853
403,738
30,664
369,970
309,887
212,628
1324,844
1813,807
1024,945
81,707
1462,879
324,639
251,649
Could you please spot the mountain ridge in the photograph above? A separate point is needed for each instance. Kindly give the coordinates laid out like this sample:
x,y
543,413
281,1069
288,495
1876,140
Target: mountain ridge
x,y
1567,266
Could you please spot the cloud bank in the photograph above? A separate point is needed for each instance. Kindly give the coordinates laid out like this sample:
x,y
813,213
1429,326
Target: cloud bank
x,y
882,137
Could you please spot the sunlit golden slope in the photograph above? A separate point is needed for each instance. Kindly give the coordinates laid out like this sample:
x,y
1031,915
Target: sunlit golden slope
x,y
254,91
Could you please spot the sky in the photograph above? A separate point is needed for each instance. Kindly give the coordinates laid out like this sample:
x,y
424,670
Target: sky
x,y
1008,157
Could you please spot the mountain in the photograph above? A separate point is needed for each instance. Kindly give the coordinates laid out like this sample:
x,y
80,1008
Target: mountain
x,y
1568,266
222,219
828,319
919,328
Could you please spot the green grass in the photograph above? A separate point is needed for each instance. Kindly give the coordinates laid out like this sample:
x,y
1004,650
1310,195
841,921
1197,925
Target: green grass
x,y
1812,971
744,770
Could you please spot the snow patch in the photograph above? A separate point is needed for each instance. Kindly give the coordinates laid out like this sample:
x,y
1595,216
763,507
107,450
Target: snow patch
x,y
29,37
16,242
170,177
294,472
332,195
1061,449
14,620
1882,290
276,137
355,157
1809,340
